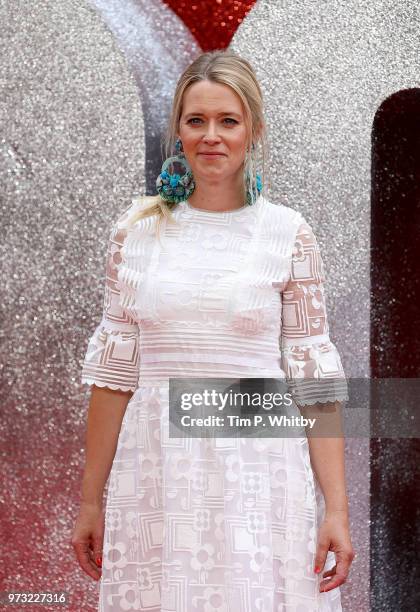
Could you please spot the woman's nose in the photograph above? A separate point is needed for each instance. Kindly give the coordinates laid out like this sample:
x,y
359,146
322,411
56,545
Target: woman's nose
x,y
211,132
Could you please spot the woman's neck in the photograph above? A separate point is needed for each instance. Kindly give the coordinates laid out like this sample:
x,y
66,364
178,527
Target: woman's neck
x,y
216,196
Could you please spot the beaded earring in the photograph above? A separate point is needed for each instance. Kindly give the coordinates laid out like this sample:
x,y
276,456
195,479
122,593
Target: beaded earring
x,y
174,187
252,191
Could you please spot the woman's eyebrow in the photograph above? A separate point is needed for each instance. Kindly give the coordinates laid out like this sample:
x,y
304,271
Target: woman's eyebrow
x,y
232,114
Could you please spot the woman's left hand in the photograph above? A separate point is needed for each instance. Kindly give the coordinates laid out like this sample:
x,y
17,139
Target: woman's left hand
x,y
334,535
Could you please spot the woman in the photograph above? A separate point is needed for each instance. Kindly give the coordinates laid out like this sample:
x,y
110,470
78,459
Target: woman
x,y
211,279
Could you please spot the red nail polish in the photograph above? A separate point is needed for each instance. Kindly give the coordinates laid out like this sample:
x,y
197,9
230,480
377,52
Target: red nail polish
x,y
317,570
99,561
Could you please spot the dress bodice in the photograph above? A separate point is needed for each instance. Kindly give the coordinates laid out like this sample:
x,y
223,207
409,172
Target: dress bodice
x,y
230,294
207,297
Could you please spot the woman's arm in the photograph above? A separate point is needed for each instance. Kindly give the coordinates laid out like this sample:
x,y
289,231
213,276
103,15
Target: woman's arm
x,y
327,460
327,455
111,366
106,412
310,357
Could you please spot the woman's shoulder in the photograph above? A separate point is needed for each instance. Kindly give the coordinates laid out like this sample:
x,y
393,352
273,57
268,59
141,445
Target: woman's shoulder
x,y
138,202
283,216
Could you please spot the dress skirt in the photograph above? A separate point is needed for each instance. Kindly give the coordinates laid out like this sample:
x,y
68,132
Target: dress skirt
x,y
209,524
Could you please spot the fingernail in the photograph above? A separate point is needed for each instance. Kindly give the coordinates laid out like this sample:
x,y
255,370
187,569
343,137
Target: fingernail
x,y
317,569
99,561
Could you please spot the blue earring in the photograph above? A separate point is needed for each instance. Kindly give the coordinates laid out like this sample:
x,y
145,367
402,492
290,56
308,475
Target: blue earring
x,y
256,189
253,191
173,186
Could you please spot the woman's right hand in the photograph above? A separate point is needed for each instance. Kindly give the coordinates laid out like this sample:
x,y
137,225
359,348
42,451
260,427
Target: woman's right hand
x,y
88,537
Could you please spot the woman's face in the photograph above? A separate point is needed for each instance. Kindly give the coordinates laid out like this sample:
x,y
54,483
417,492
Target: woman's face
x,y
213,121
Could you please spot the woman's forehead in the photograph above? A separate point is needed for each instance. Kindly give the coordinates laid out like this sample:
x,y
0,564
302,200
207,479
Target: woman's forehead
x,y
211,96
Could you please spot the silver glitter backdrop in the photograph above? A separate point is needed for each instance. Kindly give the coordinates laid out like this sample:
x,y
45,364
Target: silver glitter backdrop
x,y
85,92
158,47
72,153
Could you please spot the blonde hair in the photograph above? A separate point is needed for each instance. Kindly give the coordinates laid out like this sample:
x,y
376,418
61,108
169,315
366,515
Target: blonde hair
x,y
226,68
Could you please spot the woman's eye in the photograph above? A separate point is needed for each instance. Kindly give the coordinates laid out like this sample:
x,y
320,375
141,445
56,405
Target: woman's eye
x,y
193,119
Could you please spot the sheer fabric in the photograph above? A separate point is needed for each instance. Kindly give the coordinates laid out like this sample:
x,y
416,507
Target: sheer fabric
x,y
113,354
307,350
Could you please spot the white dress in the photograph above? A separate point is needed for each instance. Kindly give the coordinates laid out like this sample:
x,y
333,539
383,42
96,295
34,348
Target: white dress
x,y
211,524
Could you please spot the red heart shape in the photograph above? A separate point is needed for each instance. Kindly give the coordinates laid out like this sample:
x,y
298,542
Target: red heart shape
x,y
212,22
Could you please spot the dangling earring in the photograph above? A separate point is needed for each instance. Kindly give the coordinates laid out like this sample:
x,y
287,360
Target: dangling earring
x,y
256,189
171,186
252,191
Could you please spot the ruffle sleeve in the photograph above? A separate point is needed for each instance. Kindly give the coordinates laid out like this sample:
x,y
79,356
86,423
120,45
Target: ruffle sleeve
x,y
310,359
112,357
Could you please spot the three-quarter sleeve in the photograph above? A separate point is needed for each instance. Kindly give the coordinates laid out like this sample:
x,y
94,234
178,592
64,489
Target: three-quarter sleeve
x,y
112,358
310,360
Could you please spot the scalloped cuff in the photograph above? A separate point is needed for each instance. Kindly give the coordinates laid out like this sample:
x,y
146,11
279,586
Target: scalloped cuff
x,y
307,392
112,359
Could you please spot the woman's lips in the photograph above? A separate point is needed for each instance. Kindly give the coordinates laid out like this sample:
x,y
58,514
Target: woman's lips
x,y
212,154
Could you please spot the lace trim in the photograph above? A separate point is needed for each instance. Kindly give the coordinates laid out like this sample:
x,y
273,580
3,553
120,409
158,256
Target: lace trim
x,y
337,397
99,383
312,391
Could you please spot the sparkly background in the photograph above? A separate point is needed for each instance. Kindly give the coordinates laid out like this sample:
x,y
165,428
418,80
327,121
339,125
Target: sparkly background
x,y
85,94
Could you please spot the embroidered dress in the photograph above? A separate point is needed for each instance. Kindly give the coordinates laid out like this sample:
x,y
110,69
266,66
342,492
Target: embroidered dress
x,y
212,524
